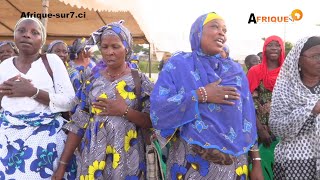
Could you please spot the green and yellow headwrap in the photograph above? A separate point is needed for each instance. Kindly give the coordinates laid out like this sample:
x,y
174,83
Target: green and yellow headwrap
x,y
211,16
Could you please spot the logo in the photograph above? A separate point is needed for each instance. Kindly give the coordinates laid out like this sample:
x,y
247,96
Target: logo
x,y
295,15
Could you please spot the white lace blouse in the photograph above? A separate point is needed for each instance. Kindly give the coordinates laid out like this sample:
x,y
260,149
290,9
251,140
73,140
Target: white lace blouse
x,y
60,91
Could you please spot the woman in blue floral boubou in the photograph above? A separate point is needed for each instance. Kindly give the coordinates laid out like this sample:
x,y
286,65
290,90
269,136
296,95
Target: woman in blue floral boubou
x,y
201,103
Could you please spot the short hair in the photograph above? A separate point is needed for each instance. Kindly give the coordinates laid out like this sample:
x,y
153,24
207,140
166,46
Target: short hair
x,y
249,57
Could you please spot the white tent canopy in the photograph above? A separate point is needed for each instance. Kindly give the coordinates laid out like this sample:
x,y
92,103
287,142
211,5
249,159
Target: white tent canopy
x,y
166,23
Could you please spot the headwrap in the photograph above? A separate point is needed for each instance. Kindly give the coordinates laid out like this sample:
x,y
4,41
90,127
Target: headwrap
x,y
174,102
53,43
194,37
226,49
78,45
292,101
43,31
11,44
118,29
313,41
260,72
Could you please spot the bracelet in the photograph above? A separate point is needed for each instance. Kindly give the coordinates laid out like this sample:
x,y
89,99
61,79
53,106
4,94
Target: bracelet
x,y
36,94
254,150
256,159
205,94
126,112
62,162
201,93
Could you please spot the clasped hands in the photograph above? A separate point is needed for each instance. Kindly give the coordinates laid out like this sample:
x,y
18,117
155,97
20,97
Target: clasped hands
x,y
17,86
221,94
111,107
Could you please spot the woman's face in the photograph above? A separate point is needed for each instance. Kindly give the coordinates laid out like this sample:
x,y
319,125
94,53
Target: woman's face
x,y
273,51
310,62
61,50
6,52
28,37
213,37
112,50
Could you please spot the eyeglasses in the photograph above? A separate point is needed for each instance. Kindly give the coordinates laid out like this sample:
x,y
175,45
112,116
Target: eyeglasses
x,y
314,57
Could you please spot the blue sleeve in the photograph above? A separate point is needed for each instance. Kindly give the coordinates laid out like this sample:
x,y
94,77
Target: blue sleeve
x,y
171,105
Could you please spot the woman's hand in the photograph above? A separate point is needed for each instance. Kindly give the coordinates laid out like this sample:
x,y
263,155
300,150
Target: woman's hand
x,y
19,87
5,89
59,173
256,172
221,94
111,107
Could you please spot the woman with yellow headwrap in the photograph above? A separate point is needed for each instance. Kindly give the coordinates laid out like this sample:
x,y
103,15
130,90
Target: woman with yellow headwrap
x,y
202,104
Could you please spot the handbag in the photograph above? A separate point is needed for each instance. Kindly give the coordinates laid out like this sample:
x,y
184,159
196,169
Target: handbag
x,y
65,115
156,168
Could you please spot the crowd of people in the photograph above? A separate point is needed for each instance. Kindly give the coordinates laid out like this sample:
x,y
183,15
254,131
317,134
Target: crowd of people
x,y
210,115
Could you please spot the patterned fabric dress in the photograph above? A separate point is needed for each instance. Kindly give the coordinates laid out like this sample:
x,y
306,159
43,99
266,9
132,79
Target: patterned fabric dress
x,y
262,101
209,140
297,154
31,135
78,74
111,147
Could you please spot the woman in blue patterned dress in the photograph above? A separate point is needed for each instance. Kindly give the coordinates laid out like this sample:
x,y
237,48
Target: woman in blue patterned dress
x,y
31,138
202,104
80,63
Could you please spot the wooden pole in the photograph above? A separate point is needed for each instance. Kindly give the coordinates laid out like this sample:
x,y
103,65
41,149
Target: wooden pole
x,y
45,10
149,61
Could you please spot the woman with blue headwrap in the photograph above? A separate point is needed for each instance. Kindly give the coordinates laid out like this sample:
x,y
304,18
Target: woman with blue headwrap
x,y
80,63
106,126
203,105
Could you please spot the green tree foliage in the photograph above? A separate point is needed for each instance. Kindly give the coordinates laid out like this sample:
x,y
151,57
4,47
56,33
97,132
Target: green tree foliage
x,y
139,48
288,47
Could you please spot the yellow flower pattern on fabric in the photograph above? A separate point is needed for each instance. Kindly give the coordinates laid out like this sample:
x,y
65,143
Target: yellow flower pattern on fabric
x,y
125,91
84,177
95,170
115,156
130,139
96,110
243,171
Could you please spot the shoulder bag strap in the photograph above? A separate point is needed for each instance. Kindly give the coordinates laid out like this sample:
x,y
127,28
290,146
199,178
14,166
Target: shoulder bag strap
x,y
137,89
46,64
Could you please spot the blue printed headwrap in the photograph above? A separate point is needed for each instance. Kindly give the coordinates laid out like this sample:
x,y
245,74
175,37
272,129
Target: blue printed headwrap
x,y
114,28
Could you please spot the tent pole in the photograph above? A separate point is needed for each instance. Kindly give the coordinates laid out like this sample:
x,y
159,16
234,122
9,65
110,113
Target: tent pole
x,y
45,10
149,61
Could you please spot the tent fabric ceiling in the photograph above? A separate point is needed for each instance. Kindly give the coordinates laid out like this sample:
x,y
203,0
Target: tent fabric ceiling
x,y
66,29
101,5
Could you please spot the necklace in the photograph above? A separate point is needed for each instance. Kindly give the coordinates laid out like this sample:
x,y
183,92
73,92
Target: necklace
x,y
117,75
